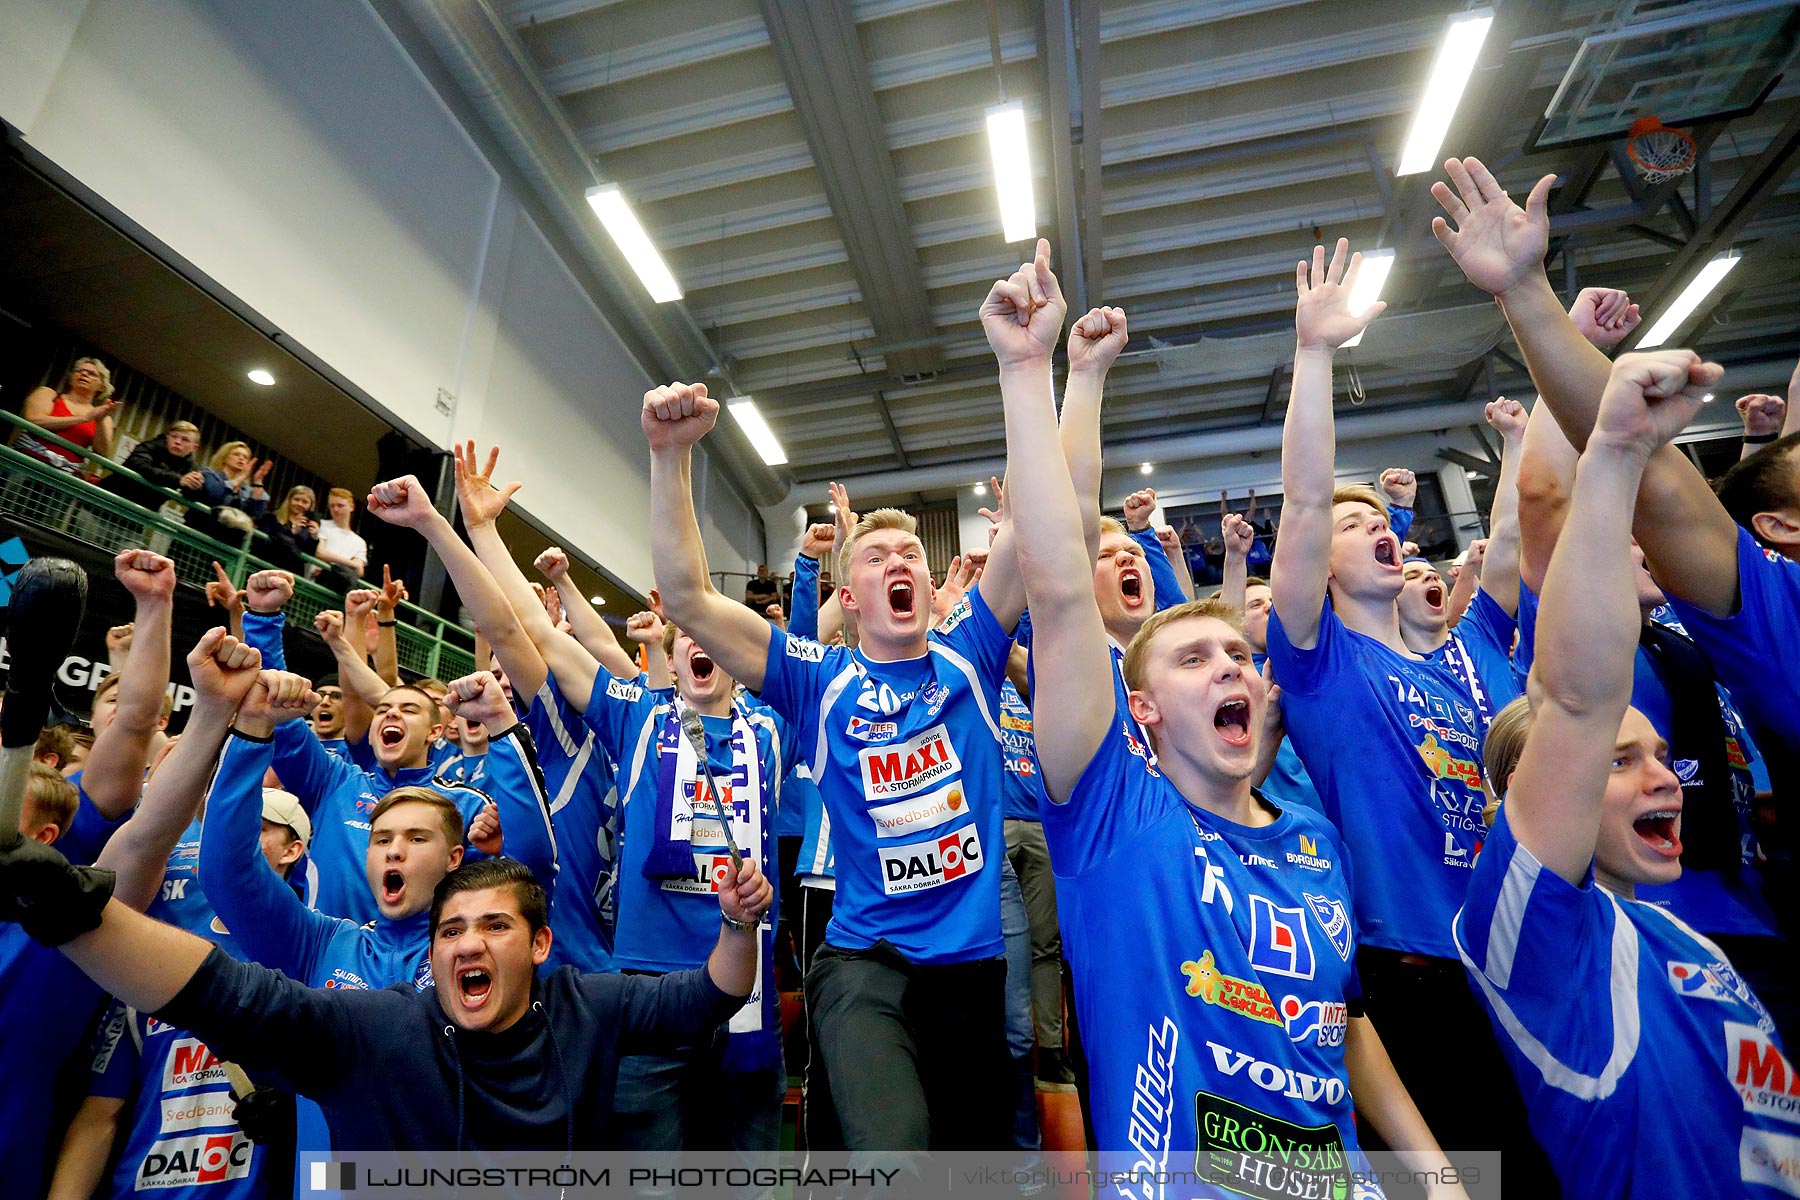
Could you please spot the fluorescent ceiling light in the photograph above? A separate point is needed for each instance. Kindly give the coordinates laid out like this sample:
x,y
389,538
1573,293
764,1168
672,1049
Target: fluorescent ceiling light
x,y
1449,76
1012,171
609,205
263,377
1692,296
750,420
1371,277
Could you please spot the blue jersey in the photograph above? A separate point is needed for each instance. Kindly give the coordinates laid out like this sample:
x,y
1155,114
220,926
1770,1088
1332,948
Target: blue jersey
x,y
1288,784
798,793
1162,571
182,900
1479,653
88,830
46,1009
339,798
470,770
907,756
1649,1069
178,1129
1393,745
1753,650
669,922
817,866
1024,791
1214,972
584,809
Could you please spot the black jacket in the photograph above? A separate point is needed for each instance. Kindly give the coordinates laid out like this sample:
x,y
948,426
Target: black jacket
x,y
152,460
392,1073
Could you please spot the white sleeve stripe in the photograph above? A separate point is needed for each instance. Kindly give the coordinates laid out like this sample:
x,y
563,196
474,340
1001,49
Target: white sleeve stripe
x,y
638,753
821,752
1625,1019
760,720
968,671
822,852
552,713
572,780
524,748
1509,914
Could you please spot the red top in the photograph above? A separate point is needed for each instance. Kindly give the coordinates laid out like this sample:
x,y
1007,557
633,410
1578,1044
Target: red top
x,y
81,435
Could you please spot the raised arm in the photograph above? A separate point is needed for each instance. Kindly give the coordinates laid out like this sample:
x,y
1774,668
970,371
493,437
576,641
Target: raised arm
x,y
803,620
1500,568
1322,323
1401,487
674,418
387,643
1587,628
269,921
114,775
1021,317
405,502
222,670
585,625
1138,507
1169,538
1239,535
1467,580
513,777
1094,344
1688,538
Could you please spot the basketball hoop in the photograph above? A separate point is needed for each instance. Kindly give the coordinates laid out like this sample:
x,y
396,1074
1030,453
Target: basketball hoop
x,y
1660,152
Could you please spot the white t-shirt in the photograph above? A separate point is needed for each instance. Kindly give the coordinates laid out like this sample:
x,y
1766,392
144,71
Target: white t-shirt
x,y
343,543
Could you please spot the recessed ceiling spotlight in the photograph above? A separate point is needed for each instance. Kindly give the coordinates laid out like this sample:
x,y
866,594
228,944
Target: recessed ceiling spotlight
x,y
263,377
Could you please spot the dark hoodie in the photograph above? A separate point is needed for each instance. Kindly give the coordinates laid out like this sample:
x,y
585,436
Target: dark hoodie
x,y
392,1073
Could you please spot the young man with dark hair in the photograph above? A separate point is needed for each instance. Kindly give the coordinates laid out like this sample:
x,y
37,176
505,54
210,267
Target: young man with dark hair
x,y
491,1058
1233,914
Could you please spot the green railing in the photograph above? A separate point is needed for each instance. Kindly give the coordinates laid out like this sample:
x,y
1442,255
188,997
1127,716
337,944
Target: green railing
x,y
35,491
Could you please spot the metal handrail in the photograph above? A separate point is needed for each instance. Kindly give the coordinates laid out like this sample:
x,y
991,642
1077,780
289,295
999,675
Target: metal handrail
x,y
429,643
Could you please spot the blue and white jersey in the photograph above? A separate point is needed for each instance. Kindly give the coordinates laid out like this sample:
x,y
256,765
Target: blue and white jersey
x,y
1648,1067
1288,784
817,866
907,755
88,830
1479,653
178,1130
182,901
1024,792
1754,650
670,922
47,1007
470,770
1393,744
1214,972
584,808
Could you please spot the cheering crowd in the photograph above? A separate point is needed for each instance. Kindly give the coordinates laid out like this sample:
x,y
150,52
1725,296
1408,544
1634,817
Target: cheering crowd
x,y
1343,859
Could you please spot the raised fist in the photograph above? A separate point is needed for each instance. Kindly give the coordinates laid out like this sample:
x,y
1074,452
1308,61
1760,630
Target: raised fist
x,y
478,697
1649,398
817,543
1507,417
1400,486
1169,538
118,638
1762,414
223,669
330,624
677,415
484,830
1138,507
145,575
644,628
553,563
1096,339
268,591
1239,535
403,501
1604,316
275,698
358,604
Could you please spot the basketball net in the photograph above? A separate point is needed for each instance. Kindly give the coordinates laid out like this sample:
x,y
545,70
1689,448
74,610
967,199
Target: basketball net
x,y
1660,152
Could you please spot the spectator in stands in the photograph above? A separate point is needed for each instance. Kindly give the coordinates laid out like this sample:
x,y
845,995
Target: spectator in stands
x,y
78,410
292,529
232,478
167,462
341,546
762,589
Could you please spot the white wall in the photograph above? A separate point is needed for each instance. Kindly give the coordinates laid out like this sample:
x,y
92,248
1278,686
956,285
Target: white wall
x,y
294,154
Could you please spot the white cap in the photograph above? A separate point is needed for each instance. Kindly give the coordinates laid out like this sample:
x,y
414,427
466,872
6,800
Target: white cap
x,y
284,808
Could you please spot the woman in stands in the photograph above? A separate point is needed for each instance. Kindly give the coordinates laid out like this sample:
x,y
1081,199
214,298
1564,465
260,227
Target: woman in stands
x,y
292,530
78,410
231,479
